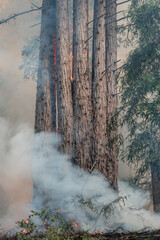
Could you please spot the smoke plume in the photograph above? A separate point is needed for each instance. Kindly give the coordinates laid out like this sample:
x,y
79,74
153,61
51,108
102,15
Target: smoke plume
x,y
63,184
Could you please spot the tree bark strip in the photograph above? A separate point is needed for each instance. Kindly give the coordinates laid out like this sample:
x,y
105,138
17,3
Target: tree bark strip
x,y
99,89
155,174
45,117
64,95
112,99
81,86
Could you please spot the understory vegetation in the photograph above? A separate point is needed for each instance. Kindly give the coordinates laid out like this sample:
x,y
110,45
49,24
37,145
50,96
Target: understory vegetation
x,y
47,226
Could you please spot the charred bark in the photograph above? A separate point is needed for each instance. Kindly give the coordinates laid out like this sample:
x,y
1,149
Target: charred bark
x,y
64,95
81,86
112,98
99,89
45,116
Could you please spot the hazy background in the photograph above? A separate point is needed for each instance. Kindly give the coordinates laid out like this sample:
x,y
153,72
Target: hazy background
x,y
17,107
17,96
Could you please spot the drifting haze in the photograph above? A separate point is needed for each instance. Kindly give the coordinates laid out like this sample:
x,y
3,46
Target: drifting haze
x,y
63,184
17,96
17,106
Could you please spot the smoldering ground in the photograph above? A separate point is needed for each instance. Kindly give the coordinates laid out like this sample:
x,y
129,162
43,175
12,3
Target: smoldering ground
x,y
67,186
64,184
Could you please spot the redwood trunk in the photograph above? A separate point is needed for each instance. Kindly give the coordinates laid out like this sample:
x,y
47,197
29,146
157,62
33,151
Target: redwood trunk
x,y
81,86
45,117
104,95
64,95
100,155
155,174
112,99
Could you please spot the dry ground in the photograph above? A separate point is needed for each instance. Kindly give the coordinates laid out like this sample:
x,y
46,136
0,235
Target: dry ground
x,y
108,236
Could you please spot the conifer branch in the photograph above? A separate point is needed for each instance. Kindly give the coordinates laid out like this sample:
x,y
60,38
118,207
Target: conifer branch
x,y
124,2
105,15
18,14
35,25
120,19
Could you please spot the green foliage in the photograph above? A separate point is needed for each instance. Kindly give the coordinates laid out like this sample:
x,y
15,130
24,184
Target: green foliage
x,y
106,210
30,55
54,226
140,79
48,225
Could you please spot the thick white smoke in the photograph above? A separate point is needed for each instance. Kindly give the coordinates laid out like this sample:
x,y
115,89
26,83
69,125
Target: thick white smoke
x,y
15,172
56,176
64,182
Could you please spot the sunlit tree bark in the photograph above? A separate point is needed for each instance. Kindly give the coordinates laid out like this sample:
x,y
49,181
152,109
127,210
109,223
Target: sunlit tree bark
x,y
99,89
104,97
63,69
81,86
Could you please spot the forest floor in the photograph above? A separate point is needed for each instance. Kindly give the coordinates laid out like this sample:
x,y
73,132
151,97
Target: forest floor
x,y
147,235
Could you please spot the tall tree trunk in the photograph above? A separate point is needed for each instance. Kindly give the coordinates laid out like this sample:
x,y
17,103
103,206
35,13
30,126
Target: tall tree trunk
x,y
64,95
112,99
104,95
81,86
100,155
155,174
45,117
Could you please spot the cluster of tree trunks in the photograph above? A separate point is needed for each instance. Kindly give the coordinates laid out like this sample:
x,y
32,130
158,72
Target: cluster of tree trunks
x,y
85,107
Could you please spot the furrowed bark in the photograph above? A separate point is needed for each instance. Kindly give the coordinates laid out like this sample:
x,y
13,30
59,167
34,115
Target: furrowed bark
x,y
64,95
155,174
81,86
45,117
112,98
99,89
